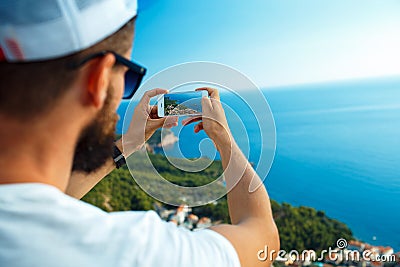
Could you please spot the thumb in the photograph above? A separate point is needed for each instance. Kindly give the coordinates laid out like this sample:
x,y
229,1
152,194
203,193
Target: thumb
x,y
170,121
155,123
163,122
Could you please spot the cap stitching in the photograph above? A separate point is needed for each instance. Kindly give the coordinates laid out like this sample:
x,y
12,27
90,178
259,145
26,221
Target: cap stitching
x,y
69,12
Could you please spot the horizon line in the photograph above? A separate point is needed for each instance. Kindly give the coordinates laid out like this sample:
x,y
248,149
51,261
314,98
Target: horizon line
x,y
328,81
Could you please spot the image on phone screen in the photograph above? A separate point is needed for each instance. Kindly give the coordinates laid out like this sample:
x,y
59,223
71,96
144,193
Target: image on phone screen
x,y
178,104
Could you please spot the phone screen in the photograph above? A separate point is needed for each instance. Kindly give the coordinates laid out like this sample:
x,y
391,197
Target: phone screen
x,y
178,104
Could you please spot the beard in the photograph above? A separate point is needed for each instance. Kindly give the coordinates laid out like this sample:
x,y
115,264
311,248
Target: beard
x,y
96,141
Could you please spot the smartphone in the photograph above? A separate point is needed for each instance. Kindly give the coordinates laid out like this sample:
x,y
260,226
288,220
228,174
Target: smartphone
x,y
181,104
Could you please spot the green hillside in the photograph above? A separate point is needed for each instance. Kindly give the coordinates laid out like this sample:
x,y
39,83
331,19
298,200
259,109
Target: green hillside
x,y
300,227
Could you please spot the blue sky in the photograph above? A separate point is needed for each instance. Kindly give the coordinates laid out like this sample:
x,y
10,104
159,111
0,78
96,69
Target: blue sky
x,y
274,42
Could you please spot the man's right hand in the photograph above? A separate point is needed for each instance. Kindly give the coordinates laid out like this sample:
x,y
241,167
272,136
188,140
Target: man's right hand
x,y
213,119
253,226
145,122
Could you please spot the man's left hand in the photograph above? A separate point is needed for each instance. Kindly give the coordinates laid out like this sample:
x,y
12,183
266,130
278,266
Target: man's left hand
x,y
145,121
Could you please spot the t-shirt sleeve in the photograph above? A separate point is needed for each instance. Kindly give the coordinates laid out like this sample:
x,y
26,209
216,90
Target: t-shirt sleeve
x,y
150,241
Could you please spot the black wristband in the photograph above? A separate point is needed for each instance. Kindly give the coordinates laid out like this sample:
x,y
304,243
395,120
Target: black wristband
x,y
118,157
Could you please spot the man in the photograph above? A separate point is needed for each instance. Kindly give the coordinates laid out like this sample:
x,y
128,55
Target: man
x,y
62,67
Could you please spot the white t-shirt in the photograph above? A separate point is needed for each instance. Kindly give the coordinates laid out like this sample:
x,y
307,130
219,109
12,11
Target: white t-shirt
x,y
41,226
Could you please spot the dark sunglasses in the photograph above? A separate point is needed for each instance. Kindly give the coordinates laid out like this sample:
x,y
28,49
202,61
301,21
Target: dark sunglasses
x,y
133,77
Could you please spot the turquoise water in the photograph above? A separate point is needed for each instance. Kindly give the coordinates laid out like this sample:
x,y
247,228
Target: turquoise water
x,y
338,150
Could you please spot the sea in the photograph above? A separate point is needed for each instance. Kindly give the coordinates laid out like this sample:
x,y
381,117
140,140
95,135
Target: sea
x,y
337,149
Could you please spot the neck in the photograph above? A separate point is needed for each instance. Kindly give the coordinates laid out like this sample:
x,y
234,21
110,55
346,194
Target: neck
x,y
36,152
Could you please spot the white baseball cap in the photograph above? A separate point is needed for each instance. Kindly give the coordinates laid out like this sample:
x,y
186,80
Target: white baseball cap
x,y
36,30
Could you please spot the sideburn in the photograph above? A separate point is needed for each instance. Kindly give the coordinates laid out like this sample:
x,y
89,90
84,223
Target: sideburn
x,y
95,145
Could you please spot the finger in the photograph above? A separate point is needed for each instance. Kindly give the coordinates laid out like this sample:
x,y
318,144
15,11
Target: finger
x,y
170,124
191,120
166,122
198,127
151,93
206,105
212,92
156,91
156,123
171,120
215,103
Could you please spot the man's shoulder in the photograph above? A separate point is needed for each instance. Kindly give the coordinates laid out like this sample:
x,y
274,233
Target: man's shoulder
x,y
49,203
36,210
93,235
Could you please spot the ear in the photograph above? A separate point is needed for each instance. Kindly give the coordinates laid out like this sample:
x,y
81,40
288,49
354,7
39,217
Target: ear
x,y
99,78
